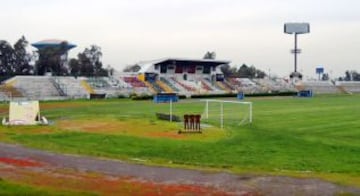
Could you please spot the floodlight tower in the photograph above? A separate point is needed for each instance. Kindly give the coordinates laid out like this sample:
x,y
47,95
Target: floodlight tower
x,y
296,28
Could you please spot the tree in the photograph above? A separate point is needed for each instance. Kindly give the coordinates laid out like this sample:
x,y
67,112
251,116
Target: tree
x,y
210,55
260,74
325,77
347,76
351,76
22,58
14,60
74,66
355,76
132,68
7,59
228,71
90,62
243,71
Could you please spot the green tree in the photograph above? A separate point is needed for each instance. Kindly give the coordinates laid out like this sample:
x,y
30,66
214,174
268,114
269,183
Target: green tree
x,y
347,76
22,58
243,71
228,71
7,59
74,66
325,77
132,68
260,74
90,62
210,55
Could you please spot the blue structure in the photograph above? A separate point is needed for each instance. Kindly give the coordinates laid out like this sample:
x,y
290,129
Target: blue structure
x,y
62,46
305,93
240,95
166,97
53,43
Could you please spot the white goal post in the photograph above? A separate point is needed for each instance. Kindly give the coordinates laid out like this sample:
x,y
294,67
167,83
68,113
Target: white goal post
x,y
216,112
222,112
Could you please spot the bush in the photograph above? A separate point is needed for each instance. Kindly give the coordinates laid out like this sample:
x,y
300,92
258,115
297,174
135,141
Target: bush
x,y
121,96
271,94
213,95
246,95
141,97
149,97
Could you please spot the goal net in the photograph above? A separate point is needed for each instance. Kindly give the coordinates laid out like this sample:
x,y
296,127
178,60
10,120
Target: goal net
x,y
227,113
219,113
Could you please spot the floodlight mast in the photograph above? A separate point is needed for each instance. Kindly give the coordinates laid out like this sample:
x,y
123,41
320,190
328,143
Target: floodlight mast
x,y
296,28
296,51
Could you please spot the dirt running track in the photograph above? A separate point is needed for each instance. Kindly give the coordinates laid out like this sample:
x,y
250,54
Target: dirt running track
x,y
225,182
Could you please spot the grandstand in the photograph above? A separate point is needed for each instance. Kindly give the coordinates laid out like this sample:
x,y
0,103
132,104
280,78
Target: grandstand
x,y
182,76
349,86
36,87
70,86
170,75
274,85
128,83
124,84
321,87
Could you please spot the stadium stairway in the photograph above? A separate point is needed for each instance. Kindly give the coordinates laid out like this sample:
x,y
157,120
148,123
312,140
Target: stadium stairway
x,y
151,87
205,85
87,86
228,85
10,91
186,87
168,83
222,86
343,90
58,87
163,86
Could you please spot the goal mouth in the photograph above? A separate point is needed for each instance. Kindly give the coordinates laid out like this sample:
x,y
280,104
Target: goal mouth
x,y
227,113
213,112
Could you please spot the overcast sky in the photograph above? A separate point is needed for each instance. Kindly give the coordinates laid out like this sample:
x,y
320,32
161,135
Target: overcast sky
x,y
242,31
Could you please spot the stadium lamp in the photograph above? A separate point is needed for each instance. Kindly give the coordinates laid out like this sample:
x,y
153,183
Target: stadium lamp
x,y
296,28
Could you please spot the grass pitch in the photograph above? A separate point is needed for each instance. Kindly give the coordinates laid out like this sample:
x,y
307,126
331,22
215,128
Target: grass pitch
x,y
316,137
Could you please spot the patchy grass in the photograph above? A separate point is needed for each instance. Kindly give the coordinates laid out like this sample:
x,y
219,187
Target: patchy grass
x,y
140,128
315,137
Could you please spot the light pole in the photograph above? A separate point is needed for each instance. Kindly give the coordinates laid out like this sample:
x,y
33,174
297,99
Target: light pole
x,y
296,28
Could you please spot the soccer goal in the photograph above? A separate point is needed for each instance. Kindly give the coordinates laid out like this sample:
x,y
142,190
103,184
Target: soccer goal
x,y
226,113
219,113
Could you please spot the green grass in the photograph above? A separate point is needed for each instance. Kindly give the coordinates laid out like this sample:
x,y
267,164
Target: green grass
x,y
317,136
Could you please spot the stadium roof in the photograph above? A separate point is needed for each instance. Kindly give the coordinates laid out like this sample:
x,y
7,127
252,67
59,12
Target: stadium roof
x,y
52,43
181,61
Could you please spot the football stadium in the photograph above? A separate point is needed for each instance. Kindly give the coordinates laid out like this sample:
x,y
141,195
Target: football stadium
x,y
249,127
173,126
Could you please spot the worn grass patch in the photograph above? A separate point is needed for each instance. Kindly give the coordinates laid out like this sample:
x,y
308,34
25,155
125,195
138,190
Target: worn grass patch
x,y
140,128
